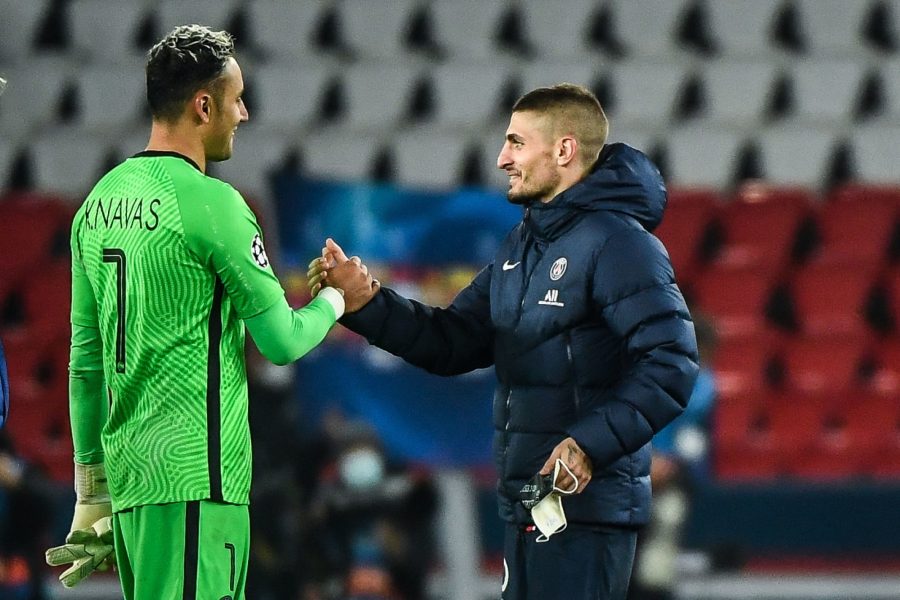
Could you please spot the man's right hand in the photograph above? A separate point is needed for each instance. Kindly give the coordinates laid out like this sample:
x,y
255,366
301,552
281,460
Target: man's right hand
x,y
347,274
352,277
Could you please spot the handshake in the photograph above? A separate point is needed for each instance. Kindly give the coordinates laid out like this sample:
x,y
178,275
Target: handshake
x,y
347,275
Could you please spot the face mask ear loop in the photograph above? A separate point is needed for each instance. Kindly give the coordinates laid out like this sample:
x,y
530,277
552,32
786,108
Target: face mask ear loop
x,y
569,492
556,495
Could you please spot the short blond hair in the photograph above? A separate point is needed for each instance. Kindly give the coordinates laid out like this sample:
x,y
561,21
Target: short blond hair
x,y
570,110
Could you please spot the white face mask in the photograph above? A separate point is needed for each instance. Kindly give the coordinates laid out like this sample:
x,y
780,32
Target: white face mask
x,y
548,514
361,468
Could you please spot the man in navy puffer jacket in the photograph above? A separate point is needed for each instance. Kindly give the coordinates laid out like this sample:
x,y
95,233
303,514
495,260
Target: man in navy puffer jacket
x,y
592,343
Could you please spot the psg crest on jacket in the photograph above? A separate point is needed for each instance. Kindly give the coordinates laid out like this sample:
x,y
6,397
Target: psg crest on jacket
x,y
558,269
259,252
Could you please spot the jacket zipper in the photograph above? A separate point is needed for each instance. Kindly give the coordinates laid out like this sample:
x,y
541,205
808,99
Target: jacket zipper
x,y
506,435
538,255
571,358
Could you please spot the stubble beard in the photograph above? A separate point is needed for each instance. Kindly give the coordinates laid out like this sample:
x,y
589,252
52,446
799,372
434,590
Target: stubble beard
x,y
528,197
223,150
522,198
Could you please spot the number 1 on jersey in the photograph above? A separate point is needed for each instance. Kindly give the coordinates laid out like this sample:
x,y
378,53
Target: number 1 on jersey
x,y
117,256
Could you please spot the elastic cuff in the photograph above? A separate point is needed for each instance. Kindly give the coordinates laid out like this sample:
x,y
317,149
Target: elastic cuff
x,y
335,299
90,484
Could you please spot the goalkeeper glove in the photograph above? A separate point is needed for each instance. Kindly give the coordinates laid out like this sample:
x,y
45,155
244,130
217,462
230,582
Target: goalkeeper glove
x,y
89,545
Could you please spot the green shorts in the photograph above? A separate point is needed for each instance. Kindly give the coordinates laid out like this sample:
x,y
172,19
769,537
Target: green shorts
x,y
184,550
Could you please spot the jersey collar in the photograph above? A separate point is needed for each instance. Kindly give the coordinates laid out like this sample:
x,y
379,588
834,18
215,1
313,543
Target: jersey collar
x,y
156,153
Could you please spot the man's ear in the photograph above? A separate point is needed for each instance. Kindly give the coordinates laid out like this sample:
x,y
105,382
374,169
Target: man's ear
x,y
202,106
568,150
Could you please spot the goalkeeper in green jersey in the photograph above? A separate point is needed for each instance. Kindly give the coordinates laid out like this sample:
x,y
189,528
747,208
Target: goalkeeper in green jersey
x,y
168,266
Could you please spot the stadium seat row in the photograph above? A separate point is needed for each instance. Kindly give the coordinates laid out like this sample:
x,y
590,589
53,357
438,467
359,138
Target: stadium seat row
x,y
820,105
811,436
68,160
378,95
766,227
828,363
465,28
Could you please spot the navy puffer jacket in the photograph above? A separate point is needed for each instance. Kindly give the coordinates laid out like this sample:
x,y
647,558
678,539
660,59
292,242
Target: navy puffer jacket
x,y
587,329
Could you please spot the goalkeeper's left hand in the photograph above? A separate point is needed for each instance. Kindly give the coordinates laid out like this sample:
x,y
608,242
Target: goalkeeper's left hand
x,y
89,545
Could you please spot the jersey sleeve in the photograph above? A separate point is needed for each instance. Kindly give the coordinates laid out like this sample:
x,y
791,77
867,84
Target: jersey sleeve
x,y
84,303
283,335
222,231
88,407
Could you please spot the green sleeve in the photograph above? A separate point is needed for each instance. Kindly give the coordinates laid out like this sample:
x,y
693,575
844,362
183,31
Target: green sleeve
x,y
222,231
88,406
283,335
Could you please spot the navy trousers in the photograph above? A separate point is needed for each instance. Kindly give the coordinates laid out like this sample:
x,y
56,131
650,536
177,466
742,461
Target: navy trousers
x,y
580,563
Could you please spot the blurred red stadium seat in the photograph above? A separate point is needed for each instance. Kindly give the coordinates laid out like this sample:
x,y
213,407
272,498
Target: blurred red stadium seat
x,y
23,358
742,443
824,363
829,460
30,225
735,298
743,463
810,436
39,428
7,287
892,287
739,416
872,423
47,296
821,436
762,192
864,192
830,298
760,225
857,227
55,368
741,364
796,421
886,376
688,215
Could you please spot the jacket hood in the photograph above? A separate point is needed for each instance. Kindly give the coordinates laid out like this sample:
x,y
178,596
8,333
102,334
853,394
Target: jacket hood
x,y
622,180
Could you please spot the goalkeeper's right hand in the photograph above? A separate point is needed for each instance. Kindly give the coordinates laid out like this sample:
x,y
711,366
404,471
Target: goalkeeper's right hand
x,y
89,545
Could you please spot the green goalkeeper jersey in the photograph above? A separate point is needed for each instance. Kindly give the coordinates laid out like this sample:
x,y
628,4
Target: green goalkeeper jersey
x,y
166,263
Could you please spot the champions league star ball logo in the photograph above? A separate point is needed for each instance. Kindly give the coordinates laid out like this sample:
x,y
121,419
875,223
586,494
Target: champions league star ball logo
x,y
259,252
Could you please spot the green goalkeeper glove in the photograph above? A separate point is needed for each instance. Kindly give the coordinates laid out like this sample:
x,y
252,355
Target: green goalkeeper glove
x,y
87,550
89,545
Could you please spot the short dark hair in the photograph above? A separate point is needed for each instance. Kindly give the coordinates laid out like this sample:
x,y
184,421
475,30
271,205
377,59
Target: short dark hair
x,y
187,59
573,110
